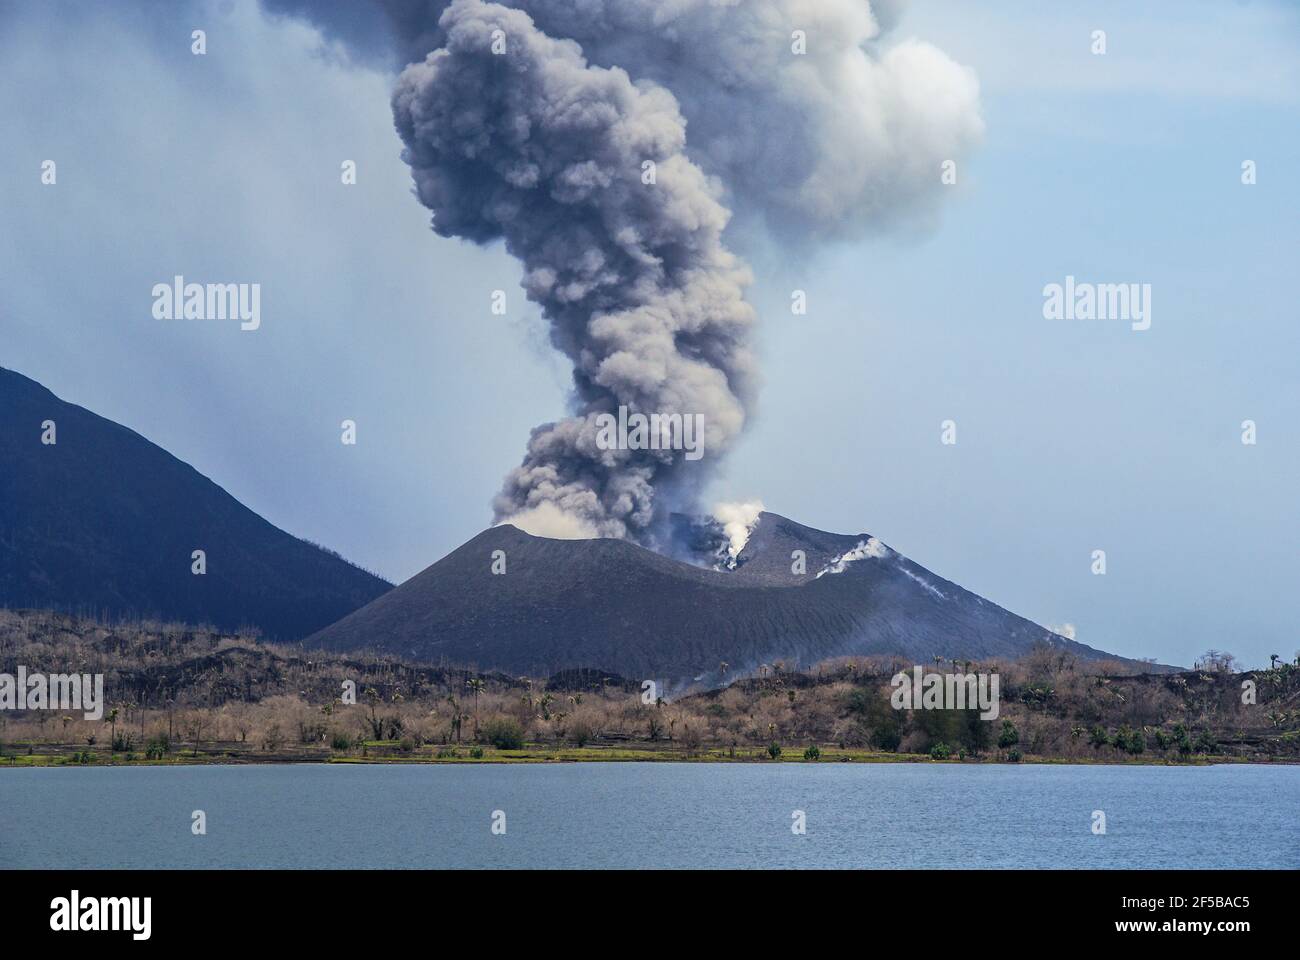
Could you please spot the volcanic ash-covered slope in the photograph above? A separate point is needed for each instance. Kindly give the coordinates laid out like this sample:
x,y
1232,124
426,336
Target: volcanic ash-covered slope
x,y
615,606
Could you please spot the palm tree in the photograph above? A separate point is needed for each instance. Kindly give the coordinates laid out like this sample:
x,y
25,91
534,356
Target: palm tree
x,y
112,720
724,666
455,715
476,685
373,699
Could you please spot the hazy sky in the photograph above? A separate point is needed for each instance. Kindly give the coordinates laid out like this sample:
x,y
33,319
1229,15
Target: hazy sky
x,y
1073,436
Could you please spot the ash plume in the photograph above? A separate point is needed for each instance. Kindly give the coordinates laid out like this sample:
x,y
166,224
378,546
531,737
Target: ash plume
x,y
543,145
539,148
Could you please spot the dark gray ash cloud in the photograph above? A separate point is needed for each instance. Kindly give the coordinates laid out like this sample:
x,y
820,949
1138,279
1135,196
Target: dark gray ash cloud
x,y
543,147
539,148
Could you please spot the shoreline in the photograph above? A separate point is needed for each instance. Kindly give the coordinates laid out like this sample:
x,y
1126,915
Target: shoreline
x,y
543,755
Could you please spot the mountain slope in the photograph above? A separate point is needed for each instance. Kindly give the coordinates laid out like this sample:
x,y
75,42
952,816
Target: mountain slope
x,y
105,522
612,605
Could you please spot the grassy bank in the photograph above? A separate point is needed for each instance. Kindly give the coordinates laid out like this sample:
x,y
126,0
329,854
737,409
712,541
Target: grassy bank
x,y
387,752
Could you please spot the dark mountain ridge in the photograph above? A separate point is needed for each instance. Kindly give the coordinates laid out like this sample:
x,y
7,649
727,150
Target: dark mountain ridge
x,y
104,522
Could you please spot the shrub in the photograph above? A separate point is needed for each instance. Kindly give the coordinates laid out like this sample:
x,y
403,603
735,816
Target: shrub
x,y
1036,694
476,753
1009,736
340,741
812,753
887,738
406,745
446,753
1013,756
158,747
580,732
940,751
504,733
774,750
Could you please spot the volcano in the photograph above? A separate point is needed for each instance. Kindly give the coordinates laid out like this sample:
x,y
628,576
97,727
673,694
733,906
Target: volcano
x,y
100,520
611,605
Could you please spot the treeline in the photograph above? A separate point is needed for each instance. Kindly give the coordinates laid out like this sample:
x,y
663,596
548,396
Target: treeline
x,y
173,689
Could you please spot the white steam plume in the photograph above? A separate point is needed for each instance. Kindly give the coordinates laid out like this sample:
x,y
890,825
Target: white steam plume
x,y
738,522
871,548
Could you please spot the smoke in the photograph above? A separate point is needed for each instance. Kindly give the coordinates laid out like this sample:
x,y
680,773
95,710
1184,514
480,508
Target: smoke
x,y
531,144
738,522
845,138
869,549
800,118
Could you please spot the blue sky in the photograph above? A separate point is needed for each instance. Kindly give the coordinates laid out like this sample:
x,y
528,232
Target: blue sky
x,y
1072,435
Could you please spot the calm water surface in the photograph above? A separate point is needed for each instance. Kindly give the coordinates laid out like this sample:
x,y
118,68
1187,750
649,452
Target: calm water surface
x,y
638,815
